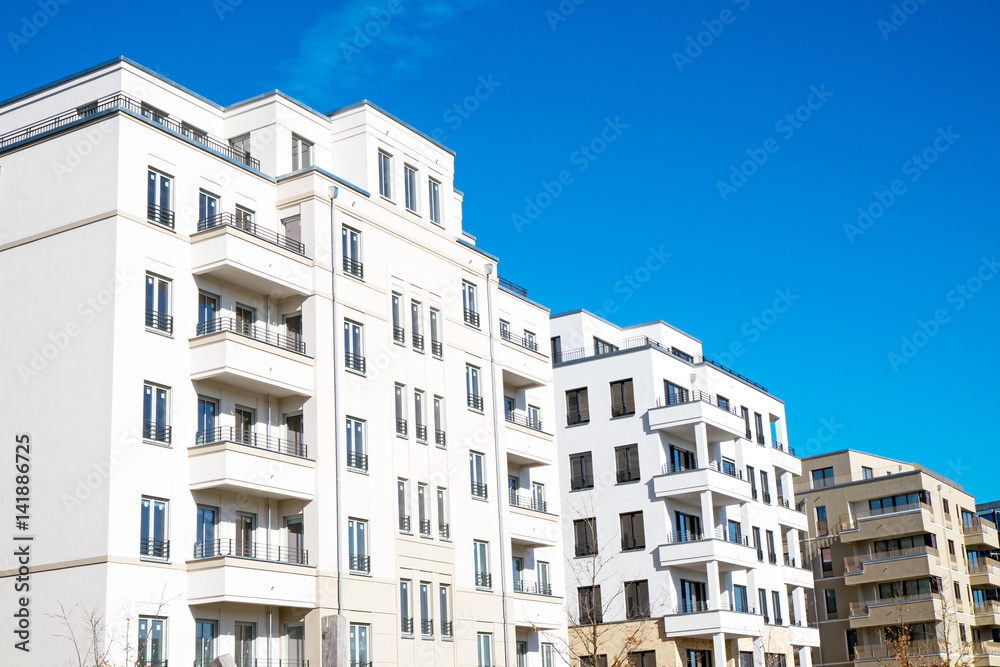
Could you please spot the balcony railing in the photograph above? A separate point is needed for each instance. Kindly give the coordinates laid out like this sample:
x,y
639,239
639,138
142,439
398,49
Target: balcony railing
x,y
986,607
855,564
585,549
633,543
156,432
782,447
427,628
527,502
360,563
252,550
984,565
354,268
584,482
439,437
400,426
404,523
279,662
531,588
159,321
526,343
921,648
721,534
472,318
478,489
475,402
977,525
418,342
508,286
231,220
697,606
421,432
154,547
355,362
444,531
515,417
399,335
446,628
766,497
406,625
484,580
577,417
627,476
861,608
718,466
850,522
293,343
425,527
294,447
760,439
437,349
622,409
693,396
160,215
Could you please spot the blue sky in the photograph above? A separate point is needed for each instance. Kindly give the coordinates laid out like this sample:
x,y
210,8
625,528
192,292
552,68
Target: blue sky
x,y
737,137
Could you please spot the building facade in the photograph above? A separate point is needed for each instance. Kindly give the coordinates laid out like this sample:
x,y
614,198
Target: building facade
x,y
274,380
681,527
898,551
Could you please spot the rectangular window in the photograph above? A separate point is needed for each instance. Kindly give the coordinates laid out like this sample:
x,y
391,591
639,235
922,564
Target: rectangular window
x,y
405,611
774,660
758,545
444,529
153,542
152,642
474,393
426,603
155,413
434,201
529,341
745,412
291,229
436,348
822,527
481,562
740,601
577,407
158,316
402,505
675,394
852,643
385,175
622,401
418,415
400,408
603,347
826,558
589,598
868,473
470,304
772,556
542,570
416,322
410,188
633,532
439,431
357,544
351,251
538,497
758,421
548,656
477,474
746,659
581,471
360,646
241,147
159,200
206,634
354,349
822,478
776,602
765,488
208,208
762,599
444,598
301,153
627,463
722,402
585,536
484,649
398,332
636,599
244,219
423,510
695,658
357,459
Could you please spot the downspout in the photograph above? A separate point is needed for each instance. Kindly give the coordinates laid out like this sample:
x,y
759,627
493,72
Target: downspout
x,y
334,191
500,481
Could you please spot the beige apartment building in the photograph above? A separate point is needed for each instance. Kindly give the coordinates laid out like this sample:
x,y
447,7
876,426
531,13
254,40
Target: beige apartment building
x,y
897,548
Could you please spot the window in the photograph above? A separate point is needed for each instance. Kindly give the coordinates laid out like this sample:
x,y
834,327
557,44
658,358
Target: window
x,y
360,647
484,649
548,656
958,593
762,599
153,529
868,473
852,643
475,397
774,660
400,411
410,188
633,534
588,661
246,320
246,637
159,199
481,561
521,654
152,641
434,201
469,304
765,488
753,482
402,505
154,413
556,348
426,622
398,332
636,599
746,659
416,318
759,427
205,635
153,114
294,434
947,510
791,609
542,570
603,347
688,527
436,348
538,497
534,417
442,503
675,394
291,229
357,544
822,478
158,316
740,601
826,558
423,510
695,658
735,532
585,536
722,402
405,613
692,598
418,415
577,407
208,208
745,412
301,153
822,527
581,472
351,249
354,350
444,597
622,402
681,460
590,604
627,463
961,632
439,431
206,522
951,547
776,602
529,341
241,146
758,545
192,132
385,175
772,557
477,474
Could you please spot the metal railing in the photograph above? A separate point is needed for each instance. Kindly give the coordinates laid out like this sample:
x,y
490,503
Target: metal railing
x,y
354,268
406,625
717,466
425,526
404,523
156,432
246,437
355,362
515,417
418,342
160,215
444,530
475,402
760,439
472,318
159,321
585,549
694,396
228,219
518,340
446,628
584,482
721,534
766,497
484,580
360,563
439,437
984,565
252,550
577,417
262,334
512,288
633,544
531,588
154,547
421,432
437,349
277,662
400,426
624,408
427,628
478,489
782,448
527,502
627,476
399,335
634,613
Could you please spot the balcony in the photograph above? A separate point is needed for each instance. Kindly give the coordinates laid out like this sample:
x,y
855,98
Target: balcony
x,y
680,415
801,635
880,524
910,563
475,402
725,482
154,548
221,577
254,550
514,417
526,343
980,534
484,580
987,613
789,515
783,456
159,215
294,447
354,268
527,502
526,443
985,654
251,358
357,461
472,318
354,362
399,335
250,256
693,550
360,563
418,342
532,588
894,611
984,573
239,467
883,653
158,321
530,524
534,607
696,618
479,490
795,575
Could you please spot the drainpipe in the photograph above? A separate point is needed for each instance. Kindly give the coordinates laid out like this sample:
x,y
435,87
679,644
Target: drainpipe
x,y
270,632
500,481
334,191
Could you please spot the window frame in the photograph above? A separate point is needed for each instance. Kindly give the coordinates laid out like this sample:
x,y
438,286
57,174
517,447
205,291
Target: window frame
x,y
385,175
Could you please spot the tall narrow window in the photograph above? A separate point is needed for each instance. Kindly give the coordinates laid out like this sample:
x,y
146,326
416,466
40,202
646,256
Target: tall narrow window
x,y
475,397
385,175
484,649
153,541
759,425
745,412
206,524
205,635
405,611
410,188
357,544
400,411
436,348
581,471
301,153
470,304
151,646
246,638
627,463
360,647
158,316
159,199
440,438
398,331
419,421
585,536
402,505
434,201
351,249
294,434
822,527
481,562
577,407
416,322
477,473
444,528
765,488
354,353
636,599
208,314
423,510
633,533
154,413
444,598
208,208
426,604
622,401
590,609
241,148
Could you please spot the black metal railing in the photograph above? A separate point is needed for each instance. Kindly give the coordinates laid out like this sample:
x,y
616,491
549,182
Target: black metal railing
x,y
693,396
527,502
730,371
753,493
577,417
531,588
472,318
252,550
691,606
760,439
418,342
159,321
421,432
635,612
425,526
446,628
427,628
760,555
262,334
436,348
724,468
484,580
400,426
154,547
160,215
518,340
522,420
360,563
475,402
294,447
584,482
772,558
228,219
355,362
627,476
444,531
789,561
625,408
782,447
732,537
354,268
406,625
156,432
508,286
439,437
404,523
478,489
633,543
766,497
399,335
586,549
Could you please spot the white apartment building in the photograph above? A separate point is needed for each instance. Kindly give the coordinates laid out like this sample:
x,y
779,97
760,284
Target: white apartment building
x,y
680,490
268,379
